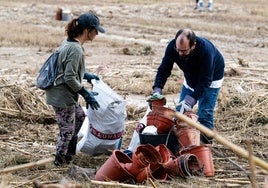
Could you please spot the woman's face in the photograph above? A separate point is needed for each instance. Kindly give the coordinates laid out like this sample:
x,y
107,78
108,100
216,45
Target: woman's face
x,y
92,34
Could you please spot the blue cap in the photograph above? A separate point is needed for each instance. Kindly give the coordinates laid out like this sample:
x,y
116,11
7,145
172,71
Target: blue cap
x,y
90,20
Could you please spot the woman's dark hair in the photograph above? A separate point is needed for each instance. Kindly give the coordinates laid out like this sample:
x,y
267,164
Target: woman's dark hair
x,y
189,34
73,29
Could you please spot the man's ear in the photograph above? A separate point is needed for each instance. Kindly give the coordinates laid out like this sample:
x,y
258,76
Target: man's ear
x,y
193,47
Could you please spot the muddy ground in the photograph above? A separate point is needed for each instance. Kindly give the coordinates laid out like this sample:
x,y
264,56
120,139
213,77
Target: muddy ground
x,y
127,57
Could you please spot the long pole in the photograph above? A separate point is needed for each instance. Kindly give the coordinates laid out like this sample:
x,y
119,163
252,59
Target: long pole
x,y
220,139
27,165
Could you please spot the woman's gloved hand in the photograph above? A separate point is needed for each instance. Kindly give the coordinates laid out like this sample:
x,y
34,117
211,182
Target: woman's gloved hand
x,y
89,98
89,77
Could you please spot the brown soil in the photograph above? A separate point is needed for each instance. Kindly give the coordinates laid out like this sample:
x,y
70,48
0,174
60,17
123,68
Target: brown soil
x,y
127,57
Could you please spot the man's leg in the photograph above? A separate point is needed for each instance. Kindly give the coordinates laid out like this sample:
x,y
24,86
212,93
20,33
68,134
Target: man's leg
x,y
206,105
210,5
200,5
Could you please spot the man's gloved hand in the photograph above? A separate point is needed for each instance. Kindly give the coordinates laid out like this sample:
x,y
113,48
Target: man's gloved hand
x,y
89,77
89,98
156,99
155,96
157,90
186,104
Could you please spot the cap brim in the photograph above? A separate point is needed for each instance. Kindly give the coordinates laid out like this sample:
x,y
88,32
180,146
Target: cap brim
x,y
100,29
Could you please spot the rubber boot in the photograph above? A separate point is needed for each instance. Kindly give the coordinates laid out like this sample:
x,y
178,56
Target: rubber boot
x,y
71,150
59,160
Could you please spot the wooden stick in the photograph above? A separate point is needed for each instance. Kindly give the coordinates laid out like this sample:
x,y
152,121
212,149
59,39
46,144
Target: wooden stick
x,y
10,85
25,152
27,165
249,79
254,69
16,112
29,181
37,184
117,184
153,184
252,166
242,152
232,181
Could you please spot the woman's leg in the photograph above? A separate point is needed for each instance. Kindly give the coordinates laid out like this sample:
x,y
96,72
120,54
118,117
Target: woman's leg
x,y
79,119
66,122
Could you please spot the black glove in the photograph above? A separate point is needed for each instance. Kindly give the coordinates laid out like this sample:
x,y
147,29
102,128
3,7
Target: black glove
x,y
89,77
89,98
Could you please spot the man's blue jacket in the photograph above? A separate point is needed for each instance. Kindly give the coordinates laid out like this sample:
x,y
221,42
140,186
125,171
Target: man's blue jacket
x,y
204,65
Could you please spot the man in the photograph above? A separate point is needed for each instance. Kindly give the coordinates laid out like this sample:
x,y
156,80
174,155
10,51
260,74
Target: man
x,y
196,4
203,68
201,5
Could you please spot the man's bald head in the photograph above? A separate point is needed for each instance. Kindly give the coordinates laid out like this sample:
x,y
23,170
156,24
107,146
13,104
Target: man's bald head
x,y
185,41
186,34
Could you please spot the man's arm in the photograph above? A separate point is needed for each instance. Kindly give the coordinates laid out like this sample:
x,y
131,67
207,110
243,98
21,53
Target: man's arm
x,y
165,68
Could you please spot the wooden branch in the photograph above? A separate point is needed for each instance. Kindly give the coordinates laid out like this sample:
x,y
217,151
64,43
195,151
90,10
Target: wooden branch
x,y
240,151
253,69
229,180
27,115
22,151
27,165
117,184
16,112
4,137
56,185
232,181
10,85
252,166
30,181
249,79
152,183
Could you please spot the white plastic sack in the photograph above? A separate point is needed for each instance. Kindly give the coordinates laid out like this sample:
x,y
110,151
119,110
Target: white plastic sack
x,y
105,125
135,140
84,129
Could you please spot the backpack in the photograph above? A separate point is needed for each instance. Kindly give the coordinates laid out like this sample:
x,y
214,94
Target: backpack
x,y
48,73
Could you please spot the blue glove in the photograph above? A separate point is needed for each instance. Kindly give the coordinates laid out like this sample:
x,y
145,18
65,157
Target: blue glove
x,y
157,90
89,77
89,98
186,104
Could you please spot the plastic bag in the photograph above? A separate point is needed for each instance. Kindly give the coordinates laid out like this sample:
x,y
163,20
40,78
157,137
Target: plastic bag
x,y
135,140
105,125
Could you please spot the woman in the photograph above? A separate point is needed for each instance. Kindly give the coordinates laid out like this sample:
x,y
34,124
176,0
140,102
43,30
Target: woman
x,y
64,95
